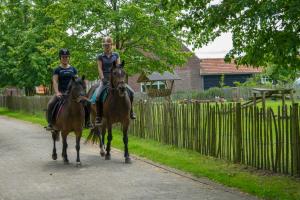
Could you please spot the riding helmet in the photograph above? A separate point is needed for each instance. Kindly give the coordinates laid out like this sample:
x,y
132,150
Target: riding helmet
x,y
63,52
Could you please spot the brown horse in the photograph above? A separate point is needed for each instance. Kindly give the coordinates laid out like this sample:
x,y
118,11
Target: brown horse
x,y
70,118
116,109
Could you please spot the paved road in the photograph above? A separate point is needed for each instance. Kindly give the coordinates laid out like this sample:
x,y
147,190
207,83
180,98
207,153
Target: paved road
x,y
28,172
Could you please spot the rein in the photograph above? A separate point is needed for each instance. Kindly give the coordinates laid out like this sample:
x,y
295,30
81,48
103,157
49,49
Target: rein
x,y
76,99
79,98
110,86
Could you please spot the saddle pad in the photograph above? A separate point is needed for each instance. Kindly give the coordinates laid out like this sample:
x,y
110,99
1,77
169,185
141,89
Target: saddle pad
x,y
94,96
103,96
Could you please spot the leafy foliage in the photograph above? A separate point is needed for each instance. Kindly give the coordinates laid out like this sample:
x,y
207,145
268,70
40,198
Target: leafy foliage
x,y
264,32
32,31
143,34
24,36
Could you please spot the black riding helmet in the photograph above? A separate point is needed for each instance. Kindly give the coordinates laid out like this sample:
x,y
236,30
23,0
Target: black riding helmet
x,y
63,52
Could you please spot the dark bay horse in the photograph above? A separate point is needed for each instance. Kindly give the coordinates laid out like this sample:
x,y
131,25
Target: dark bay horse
x,y
70,118
116,109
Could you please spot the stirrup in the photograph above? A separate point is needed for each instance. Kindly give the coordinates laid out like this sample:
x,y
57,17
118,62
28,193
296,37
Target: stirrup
x,y
98,122
88,125
49,128
132,115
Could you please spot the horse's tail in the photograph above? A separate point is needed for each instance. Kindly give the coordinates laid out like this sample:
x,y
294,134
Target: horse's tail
x,y
55,135
94,136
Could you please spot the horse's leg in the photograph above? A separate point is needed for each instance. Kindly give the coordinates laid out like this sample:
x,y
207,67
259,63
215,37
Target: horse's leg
x,y
65,146
103,132
109,139
78,137
125,140
93,114
101,142
54,137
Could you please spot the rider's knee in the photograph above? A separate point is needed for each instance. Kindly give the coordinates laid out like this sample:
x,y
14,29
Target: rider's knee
x,y
129,91
52,101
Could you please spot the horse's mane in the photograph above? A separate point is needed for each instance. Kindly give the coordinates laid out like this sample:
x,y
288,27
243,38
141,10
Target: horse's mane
x,y
77,79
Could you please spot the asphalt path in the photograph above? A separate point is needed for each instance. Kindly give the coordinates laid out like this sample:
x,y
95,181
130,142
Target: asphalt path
x,y
28,172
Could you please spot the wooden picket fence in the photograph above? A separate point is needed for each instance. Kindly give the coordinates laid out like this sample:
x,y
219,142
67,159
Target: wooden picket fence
x,y
265,139
29,104
260,138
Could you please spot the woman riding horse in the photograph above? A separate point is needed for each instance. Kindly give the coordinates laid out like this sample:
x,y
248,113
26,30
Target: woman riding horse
x,y
116,109
62,76
105,62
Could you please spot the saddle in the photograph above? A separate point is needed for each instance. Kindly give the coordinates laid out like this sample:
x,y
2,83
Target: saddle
x,y
57,109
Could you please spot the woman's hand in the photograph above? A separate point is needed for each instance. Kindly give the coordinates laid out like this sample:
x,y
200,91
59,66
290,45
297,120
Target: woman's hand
x,y
58,94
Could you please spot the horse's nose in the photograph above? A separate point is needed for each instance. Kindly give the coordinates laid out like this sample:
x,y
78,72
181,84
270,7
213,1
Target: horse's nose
x,y
122,88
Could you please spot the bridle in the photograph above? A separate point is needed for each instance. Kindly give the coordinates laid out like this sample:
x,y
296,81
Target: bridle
x,y
111,85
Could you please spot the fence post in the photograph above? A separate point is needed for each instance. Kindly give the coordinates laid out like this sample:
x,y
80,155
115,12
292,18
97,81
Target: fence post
x,y
238,133
295,140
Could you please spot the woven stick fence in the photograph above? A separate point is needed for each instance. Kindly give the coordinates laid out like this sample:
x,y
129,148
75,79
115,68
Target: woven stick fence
x,y
264,139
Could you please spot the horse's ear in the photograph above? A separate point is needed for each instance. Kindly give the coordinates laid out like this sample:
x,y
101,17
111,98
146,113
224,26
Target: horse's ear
x,y
114,65
122,64
83,77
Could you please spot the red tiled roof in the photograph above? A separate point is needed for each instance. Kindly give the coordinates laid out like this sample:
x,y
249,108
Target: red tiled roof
x,y
218,66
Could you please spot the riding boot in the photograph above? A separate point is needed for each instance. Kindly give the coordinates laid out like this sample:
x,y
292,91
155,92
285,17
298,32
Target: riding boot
x,y
50,108
49,115
87,110
49,126
132,114
99,113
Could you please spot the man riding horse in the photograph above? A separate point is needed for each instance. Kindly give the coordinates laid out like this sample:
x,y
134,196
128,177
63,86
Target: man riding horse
x,y
62,75
105,62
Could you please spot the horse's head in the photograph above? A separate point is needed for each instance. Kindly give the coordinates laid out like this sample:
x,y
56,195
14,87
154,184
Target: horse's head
x,y
118,77
77,87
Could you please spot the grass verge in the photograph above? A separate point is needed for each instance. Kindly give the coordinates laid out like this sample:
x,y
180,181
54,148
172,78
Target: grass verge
x,y
259,183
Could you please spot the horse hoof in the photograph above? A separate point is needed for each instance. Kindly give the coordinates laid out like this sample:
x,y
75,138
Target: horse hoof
x,y
107,157
78,164
128,160
54,156
102,154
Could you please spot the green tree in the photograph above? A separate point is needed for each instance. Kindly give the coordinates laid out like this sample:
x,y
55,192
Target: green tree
x,y
282,76
222,81
264,32
32,32
14,20
25,58
143,33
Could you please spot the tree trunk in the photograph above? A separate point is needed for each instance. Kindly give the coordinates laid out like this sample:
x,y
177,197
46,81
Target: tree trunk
x,y
117,26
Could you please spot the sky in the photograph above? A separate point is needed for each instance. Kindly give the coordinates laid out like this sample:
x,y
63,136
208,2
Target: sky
x,y
219,47
216,49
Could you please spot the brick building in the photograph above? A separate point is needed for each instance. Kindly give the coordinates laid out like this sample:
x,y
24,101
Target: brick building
x,y
199,74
